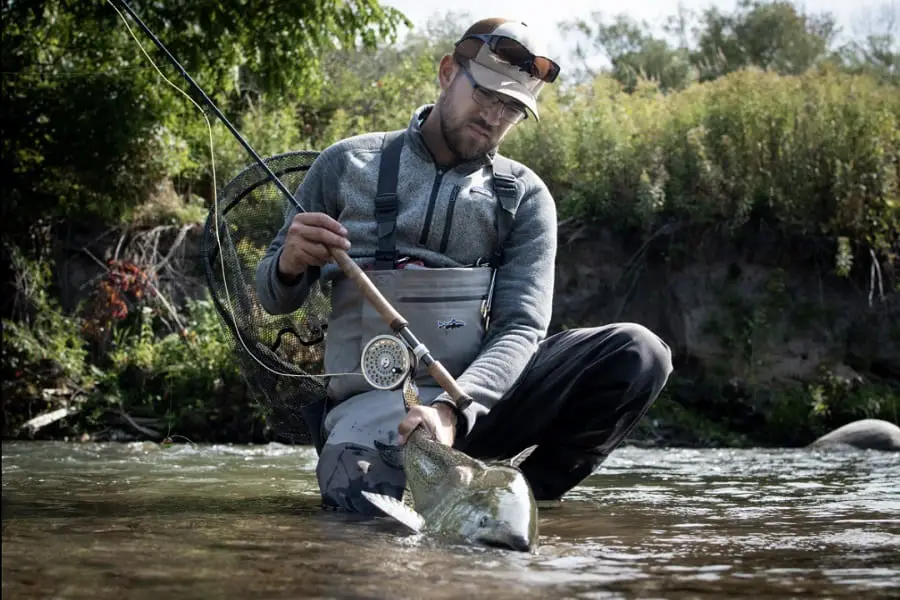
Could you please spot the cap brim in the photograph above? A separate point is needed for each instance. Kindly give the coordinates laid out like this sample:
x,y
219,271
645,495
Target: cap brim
x,y
506,84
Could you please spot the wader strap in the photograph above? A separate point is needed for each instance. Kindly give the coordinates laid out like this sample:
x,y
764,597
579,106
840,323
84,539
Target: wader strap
x,y
508,202
386,205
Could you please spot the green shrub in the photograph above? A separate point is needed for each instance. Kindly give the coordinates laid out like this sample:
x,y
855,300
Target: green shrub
x,y
798,413
816,154
187,380
120,358
43,348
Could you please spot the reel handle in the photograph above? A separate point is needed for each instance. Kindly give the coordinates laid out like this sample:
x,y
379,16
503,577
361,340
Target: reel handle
x,y
399,325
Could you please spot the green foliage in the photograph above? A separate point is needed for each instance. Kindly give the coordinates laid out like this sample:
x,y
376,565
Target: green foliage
x,y
271,128
68,148
774,36
360,90
183,383
802,412
633,52
43,348
814,154
42,333
748,323
877,51
673,422
89,128
189,381
770,35
712,412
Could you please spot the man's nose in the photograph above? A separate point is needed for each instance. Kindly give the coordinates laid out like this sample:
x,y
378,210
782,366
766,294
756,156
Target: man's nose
x,y
492,114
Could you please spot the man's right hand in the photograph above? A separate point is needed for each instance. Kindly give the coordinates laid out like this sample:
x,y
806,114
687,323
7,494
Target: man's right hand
x,y
308,243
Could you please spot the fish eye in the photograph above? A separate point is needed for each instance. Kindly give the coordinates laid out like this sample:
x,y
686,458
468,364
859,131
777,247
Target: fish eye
x,y
483,521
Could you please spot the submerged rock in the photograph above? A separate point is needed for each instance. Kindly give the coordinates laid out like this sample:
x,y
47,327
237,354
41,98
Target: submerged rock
x,y
868,434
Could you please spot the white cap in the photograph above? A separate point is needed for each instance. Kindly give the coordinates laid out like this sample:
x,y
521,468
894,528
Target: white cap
x,y
492,72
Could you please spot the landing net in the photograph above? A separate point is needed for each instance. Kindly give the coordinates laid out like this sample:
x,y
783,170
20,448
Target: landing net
x,y
280,356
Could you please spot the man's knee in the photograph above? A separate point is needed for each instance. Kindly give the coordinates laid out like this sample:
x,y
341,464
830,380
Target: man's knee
x,y
344,471
631,351
652,356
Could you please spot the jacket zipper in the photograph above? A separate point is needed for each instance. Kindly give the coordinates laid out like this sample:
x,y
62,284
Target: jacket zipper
x,y
450,206
427,299
436,186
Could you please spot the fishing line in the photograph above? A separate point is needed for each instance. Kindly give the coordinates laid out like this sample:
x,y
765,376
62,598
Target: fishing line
x,y
215,207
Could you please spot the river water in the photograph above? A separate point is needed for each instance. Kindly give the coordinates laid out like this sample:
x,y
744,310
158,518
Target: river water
x,y
143,521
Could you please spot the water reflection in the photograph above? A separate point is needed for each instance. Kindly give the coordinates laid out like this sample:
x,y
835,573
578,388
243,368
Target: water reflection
x,y
97,521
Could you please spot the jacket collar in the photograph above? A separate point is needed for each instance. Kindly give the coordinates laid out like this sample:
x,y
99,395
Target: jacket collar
x,y
416,141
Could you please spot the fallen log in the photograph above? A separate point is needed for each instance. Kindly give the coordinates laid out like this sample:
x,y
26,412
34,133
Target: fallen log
x,y
48,418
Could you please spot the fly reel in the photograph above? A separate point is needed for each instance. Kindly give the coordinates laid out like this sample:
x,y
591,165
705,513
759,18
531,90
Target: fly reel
x,y
385,362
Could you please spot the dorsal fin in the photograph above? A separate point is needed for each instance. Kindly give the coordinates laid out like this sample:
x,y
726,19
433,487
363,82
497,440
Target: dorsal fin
x,y
519,458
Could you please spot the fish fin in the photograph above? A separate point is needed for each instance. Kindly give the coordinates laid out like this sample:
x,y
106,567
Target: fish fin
x,y
461,475
519,458
391,455
397,510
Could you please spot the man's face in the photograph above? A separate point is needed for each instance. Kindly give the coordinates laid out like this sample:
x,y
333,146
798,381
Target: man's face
x,y
470,130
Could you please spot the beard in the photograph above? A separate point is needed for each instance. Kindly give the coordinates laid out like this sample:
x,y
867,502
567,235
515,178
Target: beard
x,y
461,139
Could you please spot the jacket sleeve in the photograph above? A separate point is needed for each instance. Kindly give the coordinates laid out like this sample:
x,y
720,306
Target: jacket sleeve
x,y
522,307
314,194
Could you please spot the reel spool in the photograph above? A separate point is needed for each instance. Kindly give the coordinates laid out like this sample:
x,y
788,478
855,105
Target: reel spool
x,y
385,362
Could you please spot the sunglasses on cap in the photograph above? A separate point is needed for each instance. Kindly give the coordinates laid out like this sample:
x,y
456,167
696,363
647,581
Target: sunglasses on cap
x,y
513,52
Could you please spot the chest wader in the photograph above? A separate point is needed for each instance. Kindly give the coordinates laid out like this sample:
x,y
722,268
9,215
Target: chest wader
x,y
448,308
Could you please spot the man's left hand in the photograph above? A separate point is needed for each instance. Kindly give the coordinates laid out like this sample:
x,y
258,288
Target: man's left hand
x,y
438,419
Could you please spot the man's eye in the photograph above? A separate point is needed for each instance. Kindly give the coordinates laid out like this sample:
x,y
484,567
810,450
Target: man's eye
x,y
488,96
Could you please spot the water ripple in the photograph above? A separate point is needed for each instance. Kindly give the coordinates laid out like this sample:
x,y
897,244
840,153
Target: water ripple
x,y
141,520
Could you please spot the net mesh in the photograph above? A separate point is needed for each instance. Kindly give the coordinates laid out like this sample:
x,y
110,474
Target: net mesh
x,y
280,356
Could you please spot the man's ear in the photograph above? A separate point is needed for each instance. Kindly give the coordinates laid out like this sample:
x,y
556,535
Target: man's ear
x,y
447,71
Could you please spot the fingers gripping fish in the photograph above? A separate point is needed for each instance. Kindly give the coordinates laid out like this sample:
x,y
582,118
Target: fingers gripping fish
x,y
458,497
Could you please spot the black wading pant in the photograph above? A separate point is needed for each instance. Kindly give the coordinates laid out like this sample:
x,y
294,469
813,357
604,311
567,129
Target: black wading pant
x,y
582,393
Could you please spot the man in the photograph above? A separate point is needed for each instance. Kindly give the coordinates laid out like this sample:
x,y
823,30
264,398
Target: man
x,y
434,249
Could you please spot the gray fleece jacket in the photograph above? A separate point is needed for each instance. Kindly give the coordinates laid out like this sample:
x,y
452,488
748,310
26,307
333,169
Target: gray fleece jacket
x,y
446,219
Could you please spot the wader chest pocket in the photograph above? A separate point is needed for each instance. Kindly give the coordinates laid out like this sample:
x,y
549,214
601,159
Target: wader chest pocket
x,y
443,308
